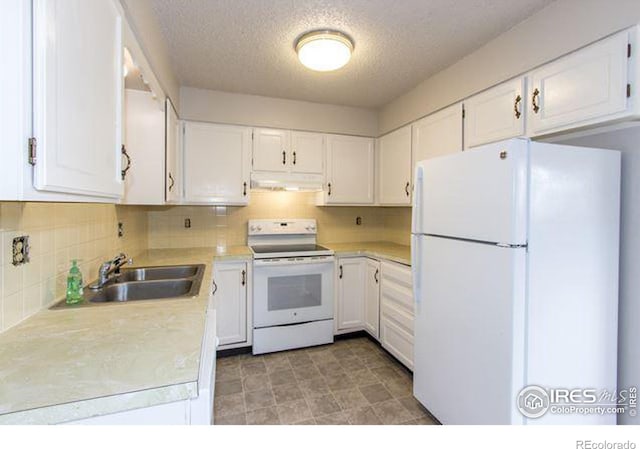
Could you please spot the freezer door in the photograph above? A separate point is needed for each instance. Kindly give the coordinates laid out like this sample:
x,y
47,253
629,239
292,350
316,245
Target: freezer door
x,y
469,331
479,194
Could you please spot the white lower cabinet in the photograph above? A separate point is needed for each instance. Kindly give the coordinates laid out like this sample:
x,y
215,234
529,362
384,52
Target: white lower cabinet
x,y
231,303
351,274
397,311
372,298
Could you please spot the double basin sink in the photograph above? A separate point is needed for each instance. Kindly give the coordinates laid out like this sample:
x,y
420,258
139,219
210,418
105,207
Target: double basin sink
x,y
145,283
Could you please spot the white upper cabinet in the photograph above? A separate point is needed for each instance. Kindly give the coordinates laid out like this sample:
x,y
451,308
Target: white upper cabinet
x,y
217,161
144,161
437,134
583,88
283,151
173,182
496,114
78,97
350,170
394,168
271,150
307,153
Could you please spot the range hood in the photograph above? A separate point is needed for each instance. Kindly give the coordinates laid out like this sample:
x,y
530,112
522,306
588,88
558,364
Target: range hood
x,y
287,181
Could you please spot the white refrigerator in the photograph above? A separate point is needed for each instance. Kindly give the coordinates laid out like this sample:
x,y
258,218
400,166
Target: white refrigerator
x,y
515,272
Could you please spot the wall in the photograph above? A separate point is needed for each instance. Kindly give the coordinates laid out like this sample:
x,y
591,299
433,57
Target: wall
x,y
628,142
556,30
58,233
253,110
227,226
145,26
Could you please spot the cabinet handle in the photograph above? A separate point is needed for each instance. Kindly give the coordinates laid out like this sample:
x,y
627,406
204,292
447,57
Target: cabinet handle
x,y
406,188
340,275
294,158
128,158
244,189
172,182
284,157
215,288
244,277
534,100
375,276
329,192
516,106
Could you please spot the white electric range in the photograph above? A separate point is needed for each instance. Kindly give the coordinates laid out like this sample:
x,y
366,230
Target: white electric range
x,y
292,285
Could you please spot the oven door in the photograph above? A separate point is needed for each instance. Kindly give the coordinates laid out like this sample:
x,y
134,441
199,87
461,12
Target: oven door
x,y
295,290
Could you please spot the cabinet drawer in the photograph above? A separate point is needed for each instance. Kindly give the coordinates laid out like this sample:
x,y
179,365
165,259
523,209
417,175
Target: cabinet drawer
x,y
402,318
396,288
397,341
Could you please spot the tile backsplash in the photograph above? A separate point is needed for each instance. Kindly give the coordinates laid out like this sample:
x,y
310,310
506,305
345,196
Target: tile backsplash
x,y
58,233
61,232
223,226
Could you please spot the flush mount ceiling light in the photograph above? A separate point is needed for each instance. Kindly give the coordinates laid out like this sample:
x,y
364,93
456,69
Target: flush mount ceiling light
x,y
324,50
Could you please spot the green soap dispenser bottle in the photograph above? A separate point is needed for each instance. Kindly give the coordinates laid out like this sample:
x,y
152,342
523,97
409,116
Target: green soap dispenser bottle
x,y
74,284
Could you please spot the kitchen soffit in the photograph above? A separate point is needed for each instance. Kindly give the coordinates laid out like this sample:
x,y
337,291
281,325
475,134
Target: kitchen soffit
x,y
248,46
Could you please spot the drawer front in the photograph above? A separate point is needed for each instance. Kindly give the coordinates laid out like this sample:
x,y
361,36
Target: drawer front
x,y
399,316
397,341
396,288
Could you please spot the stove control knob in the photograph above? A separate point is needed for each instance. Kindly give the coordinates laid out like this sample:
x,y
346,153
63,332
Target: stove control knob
x,y
252,228
259,228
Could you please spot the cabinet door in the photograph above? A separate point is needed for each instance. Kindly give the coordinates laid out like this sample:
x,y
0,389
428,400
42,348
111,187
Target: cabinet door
x,y
496,114
394,180
307,153
437,134
145,146
216,163
581,88
230,302
350,167
271,150
78,96
372,298
173,136
351,291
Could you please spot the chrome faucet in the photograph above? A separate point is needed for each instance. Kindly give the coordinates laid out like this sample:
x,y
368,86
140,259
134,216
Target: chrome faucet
x,y
108,268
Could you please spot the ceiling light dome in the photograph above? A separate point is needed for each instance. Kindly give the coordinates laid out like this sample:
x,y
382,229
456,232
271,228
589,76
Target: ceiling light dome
x,y
324,50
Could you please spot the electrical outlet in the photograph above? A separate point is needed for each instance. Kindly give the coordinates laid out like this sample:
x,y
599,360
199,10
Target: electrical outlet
x,y
187,223
358,221
21,250
120,229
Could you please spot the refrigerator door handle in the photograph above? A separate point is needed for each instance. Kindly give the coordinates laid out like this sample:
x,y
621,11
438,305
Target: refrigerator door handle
x,y
415,263
417,200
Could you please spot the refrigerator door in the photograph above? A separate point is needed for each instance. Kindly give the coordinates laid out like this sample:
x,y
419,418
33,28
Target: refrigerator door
x,y
480,194
469,330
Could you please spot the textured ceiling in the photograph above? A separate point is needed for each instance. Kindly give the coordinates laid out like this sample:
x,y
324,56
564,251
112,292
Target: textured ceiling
x,y
247,45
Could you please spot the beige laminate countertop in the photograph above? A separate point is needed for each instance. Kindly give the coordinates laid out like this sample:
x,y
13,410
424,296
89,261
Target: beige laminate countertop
x,y
68,364
379,250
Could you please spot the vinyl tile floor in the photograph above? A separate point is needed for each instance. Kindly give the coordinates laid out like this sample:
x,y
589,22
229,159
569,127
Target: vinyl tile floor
x,y
352,381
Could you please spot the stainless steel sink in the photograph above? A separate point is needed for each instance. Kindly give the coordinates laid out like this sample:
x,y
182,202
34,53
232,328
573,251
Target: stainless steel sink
x,y
158,273
135,291
145,283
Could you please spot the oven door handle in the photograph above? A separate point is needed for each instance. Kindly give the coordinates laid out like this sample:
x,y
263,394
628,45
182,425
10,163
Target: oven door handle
x,y
299,261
